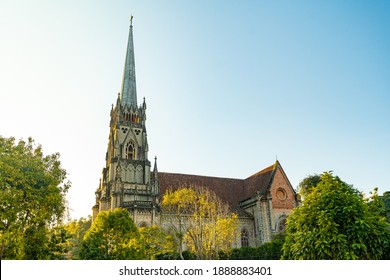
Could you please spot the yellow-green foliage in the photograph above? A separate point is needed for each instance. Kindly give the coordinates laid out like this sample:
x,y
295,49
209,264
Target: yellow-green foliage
x,y
201,220
76,229
156,241
112,236
33,189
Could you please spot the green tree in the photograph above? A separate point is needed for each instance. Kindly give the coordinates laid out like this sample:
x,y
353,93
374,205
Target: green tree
x,y
76,229
32,199
201,220
176,206
335,222
59,245
386,202
156,241
112,236
307,185
375,203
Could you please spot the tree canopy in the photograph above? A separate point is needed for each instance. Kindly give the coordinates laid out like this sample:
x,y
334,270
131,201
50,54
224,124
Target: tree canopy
x,y
386,204
156,241
307,185
201,220
335,222
76,229
112,236
32,198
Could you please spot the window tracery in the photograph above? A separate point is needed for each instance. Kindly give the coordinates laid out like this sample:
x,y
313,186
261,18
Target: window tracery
x,y
130,150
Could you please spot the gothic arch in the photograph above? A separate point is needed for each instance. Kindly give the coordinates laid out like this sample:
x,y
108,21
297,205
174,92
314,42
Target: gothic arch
x,y
129,175
130,150
244,238
139,174
281,224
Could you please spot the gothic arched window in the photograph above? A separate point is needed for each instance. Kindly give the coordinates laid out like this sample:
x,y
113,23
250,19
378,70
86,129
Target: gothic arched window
x,y
130,150
282,224
244,238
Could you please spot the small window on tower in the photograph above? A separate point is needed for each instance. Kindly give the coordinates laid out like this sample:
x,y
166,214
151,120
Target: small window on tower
x,y
130,150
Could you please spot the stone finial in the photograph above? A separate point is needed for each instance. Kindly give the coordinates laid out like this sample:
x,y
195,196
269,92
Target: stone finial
x,y
155,164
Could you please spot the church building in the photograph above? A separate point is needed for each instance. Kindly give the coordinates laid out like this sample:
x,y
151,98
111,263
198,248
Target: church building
x,y
262,201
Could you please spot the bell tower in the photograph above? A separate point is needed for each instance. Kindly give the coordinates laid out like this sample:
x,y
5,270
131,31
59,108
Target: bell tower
x,y
126,177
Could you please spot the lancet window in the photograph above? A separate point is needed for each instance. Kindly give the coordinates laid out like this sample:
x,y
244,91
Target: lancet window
x,y
130,150
135,118
244,238
282,224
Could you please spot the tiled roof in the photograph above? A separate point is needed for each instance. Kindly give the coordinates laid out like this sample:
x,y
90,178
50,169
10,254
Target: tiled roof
x,y
260,181
229,190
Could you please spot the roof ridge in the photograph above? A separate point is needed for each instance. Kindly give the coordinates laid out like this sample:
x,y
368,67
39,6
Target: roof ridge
x,y
267,169
203,176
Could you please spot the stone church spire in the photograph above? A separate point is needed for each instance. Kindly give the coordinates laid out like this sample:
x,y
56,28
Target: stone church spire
x,y
127,178
128,93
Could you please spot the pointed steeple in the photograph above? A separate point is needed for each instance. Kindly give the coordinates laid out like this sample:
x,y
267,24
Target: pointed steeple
x,y
155,164
128,92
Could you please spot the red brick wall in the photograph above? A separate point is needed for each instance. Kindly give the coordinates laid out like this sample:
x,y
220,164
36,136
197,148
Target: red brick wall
x,y
281,192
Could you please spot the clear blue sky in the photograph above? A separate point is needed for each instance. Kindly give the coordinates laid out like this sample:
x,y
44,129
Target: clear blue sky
x,y
229,85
